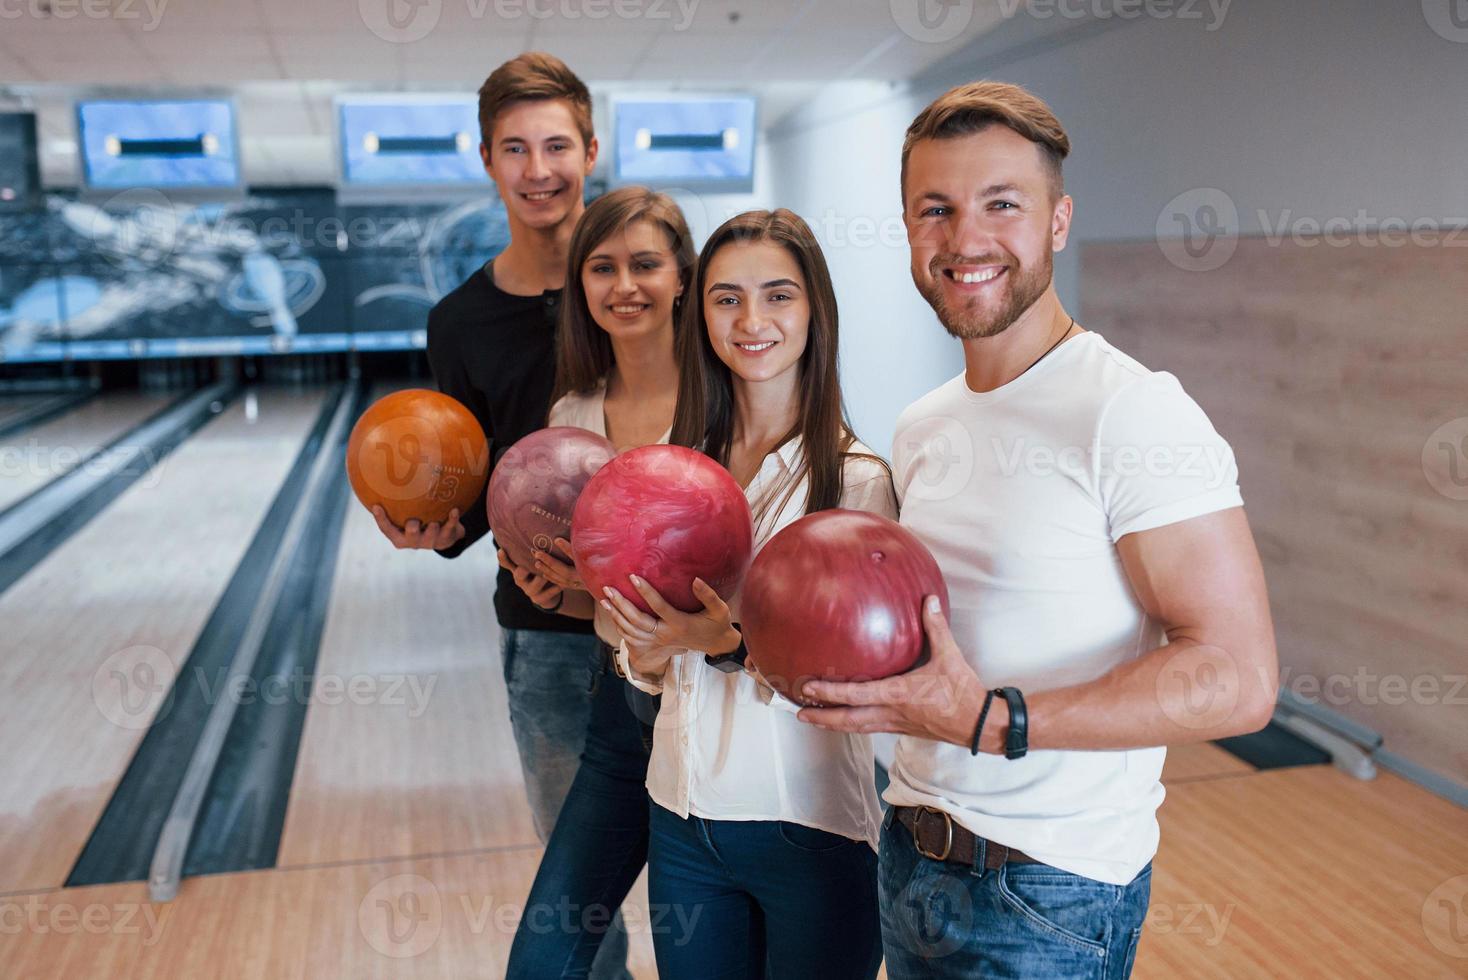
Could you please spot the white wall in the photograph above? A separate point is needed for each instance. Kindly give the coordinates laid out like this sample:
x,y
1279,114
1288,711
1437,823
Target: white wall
x,y
836,164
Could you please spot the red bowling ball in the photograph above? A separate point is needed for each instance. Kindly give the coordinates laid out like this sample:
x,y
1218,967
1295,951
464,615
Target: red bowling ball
x,y
668,514
838,596
533,491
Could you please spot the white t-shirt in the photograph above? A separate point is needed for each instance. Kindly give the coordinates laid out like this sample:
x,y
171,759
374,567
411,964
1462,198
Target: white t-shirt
x,y
726,747
587,410
1021,494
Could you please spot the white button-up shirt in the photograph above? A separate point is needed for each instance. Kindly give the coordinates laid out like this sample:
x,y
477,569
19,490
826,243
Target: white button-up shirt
x,y
725,746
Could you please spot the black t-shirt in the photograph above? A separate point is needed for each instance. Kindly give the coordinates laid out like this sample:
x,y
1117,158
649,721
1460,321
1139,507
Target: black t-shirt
x,y
495,353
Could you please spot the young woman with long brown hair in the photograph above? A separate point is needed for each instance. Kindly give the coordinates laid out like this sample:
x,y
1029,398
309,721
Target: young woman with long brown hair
x,y
764,827
630,263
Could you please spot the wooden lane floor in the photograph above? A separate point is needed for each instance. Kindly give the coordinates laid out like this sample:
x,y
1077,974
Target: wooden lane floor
x,y
1299,872
1307,872
1201,760
13,406
95,633
439,918
30,459
421,760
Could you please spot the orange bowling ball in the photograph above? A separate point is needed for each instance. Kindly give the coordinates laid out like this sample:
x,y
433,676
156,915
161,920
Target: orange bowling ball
x,y
418,453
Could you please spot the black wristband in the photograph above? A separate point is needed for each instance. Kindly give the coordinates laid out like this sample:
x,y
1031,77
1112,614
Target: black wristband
x,y
1017,739
979,728
731,662
560,599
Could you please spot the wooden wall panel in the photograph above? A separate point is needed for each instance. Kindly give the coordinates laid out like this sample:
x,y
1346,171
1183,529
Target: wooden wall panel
x,y
1329,368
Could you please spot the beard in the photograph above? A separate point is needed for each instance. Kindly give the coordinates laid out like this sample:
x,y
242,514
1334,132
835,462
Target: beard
x,y
971,321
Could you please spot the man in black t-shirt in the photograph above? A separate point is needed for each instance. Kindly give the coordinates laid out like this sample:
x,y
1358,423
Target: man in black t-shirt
x,y
491,346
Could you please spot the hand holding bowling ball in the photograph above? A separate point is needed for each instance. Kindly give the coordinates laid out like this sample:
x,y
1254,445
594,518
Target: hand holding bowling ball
x,y
416,535
562,573
668,514
535,485
537,588
710,630
420,458
838,596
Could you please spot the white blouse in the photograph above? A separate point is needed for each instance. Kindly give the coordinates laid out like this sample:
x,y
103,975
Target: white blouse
x,y
587,410
728,748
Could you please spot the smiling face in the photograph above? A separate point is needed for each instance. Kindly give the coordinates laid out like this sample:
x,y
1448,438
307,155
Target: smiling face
x,y
631,280
538,161
756,306
983,225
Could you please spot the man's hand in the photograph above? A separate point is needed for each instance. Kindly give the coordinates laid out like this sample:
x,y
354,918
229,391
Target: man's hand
x,y
415,535
710,630
938,701
542,592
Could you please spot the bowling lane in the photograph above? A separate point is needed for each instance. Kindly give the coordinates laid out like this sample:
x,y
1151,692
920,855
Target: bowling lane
x,y
430,918
420,759
33,458
14,406
1202,760
94,634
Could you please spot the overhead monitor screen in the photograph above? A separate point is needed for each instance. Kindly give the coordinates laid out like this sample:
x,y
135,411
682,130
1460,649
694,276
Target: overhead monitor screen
x,y
158,144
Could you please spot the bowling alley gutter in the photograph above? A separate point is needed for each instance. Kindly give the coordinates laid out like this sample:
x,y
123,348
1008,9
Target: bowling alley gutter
x,y
36,525
166,870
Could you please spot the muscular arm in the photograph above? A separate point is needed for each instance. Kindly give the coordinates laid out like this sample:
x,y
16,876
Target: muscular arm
x,y
1217,677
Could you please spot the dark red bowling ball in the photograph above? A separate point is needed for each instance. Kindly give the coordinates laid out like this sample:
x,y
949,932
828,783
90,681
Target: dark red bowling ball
x,y
838,595
533,491
668,514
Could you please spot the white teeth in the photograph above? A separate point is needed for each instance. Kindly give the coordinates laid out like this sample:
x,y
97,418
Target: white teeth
x,y
967,277
752,347
638,308
540,196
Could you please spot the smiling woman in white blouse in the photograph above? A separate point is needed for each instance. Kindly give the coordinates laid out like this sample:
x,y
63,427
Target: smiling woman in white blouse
x,y
763,830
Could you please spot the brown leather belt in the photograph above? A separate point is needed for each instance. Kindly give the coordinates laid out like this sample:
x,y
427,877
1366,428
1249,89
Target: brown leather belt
x,y
937,836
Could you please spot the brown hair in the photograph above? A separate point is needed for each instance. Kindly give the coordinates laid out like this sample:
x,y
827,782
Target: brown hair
x,y
972,108
705,414
533,75
583,349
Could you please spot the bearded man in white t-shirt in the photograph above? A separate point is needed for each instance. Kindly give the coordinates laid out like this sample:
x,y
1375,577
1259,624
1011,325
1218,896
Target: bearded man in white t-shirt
x,y
1107,597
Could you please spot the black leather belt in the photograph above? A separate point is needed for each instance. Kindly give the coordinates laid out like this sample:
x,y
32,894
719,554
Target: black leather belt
x,y
937,836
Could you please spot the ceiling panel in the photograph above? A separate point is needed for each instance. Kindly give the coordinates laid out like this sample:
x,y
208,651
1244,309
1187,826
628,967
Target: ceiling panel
x,y
285,60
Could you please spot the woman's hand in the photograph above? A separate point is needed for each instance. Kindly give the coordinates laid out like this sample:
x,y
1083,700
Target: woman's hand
x,y
550,567
543,592
710,630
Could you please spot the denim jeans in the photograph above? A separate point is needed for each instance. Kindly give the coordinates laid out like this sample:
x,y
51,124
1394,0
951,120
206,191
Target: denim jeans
x,y
1024,920
595,853
760,898
550,678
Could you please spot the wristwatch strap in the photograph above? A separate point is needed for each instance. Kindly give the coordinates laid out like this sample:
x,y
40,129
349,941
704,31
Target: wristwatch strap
x,y
729,663
1017,739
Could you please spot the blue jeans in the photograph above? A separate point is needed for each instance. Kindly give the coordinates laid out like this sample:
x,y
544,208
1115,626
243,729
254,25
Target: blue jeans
x,y
760,898
594,855
550,678
1024,920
